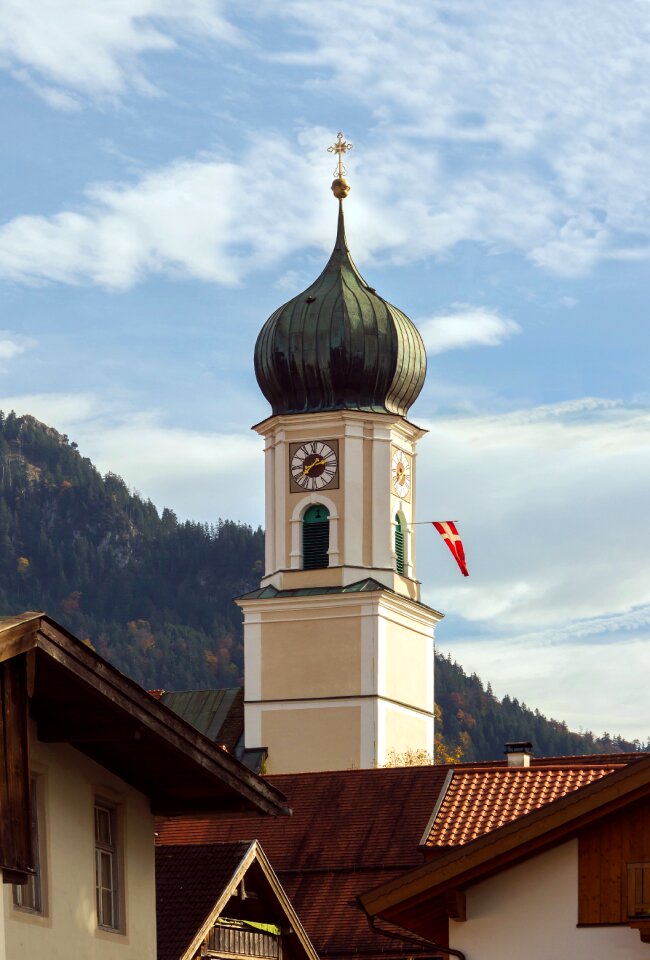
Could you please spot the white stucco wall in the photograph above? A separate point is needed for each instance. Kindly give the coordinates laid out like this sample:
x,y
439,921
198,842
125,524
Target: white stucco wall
x,y
70,782
531,912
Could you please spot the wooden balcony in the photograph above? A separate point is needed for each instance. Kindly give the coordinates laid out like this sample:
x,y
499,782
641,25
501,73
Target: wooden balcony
x,y
236,940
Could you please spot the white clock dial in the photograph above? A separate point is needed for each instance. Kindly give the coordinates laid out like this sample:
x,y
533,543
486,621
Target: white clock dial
x,y
314,465
401,473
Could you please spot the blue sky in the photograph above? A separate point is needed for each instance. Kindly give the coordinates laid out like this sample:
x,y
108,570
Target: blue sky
x,y
166,186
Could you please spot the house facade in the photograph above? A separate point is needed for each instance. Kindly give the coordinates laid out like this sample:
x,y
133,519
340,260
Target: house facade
x,y
535,906
91,828
88,759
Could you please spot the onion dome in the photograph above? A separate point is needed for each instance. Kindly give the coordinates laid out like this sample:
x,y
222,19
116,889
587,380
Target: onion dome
x,y
339,345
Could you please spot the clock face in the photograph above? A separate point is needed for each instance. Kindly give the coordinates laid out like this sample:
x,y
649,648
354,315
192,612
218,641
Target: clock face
x,y
401,473
314,465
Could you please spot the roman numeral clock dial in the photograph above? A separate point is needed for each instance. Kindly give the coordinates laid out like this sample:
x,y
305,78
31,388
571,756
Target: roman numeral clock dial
x,y
314,465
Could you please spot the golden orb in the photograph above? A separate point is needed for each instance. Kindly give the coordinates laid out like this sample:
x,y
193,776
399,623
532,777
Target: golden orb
x,y
340,188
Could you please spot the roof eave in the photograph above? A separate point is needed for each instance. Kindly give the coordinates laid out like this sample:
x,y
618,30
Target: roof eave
x,y
46,642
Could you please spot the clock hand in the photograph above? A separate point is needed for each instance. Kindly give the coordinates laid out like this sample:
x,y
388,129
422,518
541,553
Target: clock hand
x,y
317,463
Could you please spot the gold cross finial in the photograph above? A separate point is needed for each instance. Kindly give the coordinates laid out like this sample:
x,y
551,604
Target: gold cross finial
x,y
340,187
340,147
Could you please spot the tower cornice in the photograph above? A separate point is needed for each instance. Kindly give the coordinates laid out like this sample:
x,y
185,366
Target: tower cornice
x,y
382,599
328,418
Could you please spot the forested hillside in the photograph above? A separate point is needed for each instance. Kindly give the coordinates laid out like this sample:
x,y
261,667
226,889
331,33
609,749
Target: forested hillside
x,y
151,594
154,595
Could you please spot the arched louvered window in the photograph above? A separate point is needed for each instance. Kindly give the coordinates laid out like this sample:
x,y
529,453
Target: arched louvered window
x,y
400,554
315,537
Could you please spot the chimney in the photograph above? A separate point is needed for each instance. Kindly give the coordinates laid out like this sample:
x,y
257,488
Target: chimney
x,y
518,753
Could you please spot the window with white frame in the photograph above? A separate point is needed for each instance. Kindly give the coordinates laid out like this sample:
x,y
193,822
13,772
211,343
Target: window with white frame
x,y
29,896
107,867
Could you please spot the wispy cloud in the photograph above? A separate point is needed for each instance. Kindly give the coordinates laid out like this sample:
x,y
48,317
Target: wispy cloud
x,y
525,131
64,50
539,113
466,326
211,218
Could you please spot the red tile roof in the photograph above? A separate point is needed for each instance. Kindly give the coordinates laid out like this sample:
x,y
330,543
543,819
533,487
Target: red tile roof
x,y
478,801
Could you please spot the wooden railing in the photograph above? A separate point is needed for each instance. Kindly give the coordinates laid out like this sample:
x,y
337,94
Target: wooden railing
x,y
225,941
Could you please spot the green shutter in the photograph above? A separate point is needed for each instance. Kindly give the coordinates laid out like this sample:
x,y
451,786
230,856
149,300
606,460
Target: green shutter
x,y
399,546
315,538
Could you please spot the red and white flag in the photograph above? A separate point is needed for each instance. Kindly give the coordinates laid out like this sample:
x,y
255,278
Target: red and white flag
x,y
449,533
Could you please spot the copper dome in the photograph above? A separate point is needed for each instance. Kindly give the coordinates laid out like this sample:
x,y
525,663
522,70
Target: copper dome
x,y
340,346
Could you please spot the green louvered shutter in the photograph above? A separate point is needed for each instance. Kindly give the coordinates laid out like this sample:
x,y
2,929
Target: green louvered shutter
x,y
399,546
315,538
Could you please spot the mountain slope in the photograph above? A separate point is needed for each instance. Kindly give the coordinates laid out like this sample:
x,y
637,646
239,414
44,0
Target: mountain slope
x,y
151,594
154,596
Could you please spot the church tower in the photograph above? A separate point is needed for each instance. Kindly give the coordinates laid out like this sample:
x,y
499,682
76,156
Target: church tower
x,y
338,647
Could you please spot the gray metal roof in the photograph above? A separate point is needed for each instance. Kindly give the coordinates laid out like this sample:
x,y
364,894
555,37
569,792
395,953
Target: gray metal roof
x,y
206,710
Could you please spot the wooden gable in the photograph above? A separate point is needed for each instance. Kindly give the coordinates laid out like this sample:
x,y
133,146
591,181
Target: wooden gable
x,y
614,867
224,900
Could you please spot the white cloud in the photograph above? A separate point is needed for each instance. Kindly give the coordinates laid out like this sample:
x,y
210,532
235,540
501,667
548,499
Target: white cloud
x,y
13,344
62,49
465,326
209,218
290,281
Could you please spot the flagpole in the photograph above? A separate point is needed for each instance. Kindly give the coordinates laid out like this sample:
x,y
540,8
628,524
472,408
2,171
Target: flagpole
x,y
422,523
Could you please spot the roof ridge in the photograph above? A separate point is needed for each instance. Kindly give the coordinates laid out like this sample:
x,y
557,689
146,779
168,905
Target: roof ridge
x,y
549,768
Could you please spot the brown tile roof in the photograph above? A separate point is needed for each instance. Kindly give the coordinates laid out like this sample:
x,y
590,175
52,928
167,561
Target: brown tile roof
x,y
478,801
335,846
189,881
